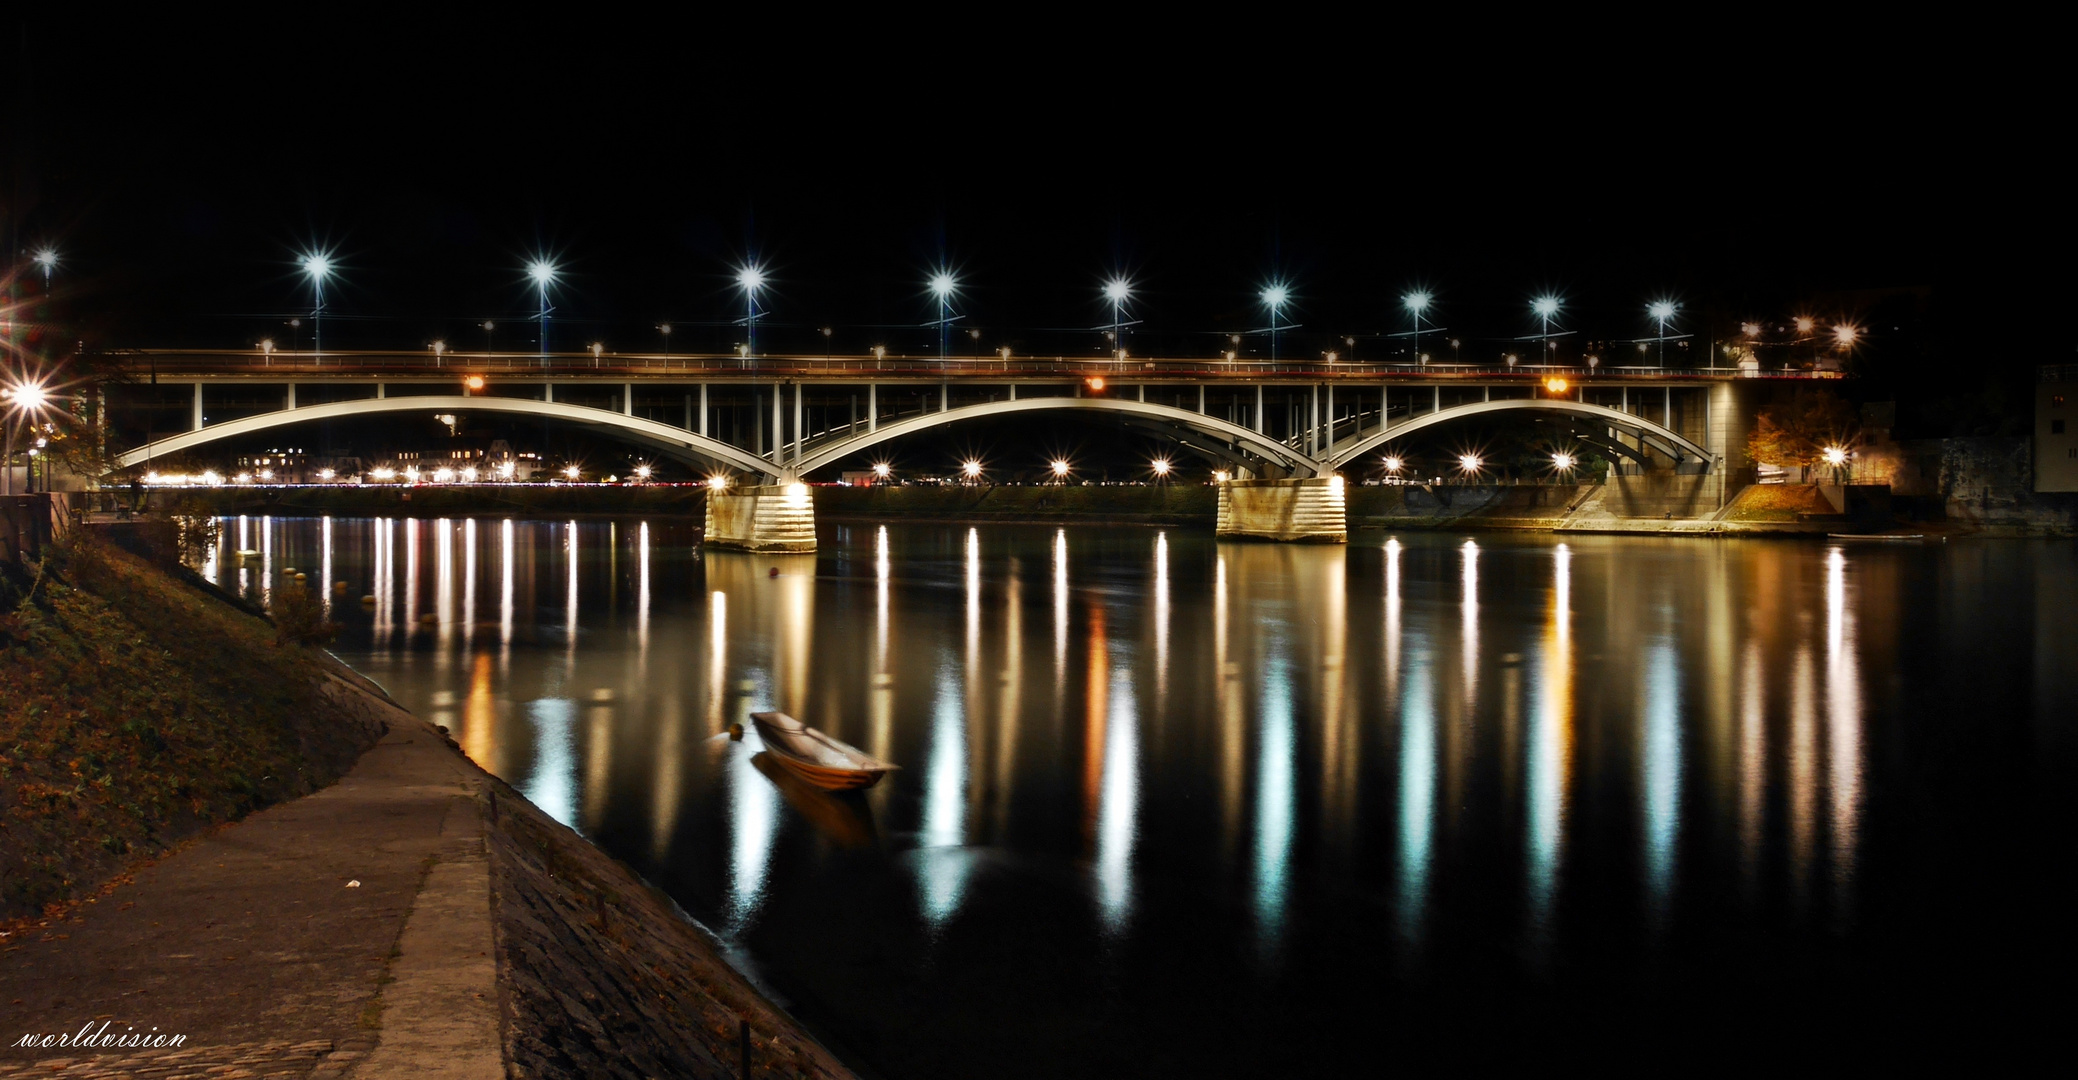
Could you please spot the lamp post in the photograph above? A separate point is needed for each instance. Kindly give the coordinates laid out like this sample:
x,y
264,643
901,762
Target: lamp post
x,y
1416,303
665,330
750,279
1117,290
267,353
439,353
543,274
317,266
47,261
21,400
943,285
1545,308
1274,297
1662,312
488,326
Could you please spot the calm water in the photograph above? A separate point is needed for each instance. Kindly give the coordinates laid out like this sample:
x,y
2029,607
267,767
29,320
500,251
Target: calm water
x,y
1176,806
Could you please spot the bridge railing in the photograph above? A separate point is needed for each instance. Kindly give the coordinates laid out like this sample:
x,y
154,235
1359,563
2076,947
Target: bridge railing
x,y
461,365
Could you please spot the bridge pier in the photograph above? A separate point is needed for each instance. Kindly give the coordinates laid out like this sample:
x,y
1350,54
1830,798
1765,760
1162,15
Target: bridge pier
x,y
776,517
1306,509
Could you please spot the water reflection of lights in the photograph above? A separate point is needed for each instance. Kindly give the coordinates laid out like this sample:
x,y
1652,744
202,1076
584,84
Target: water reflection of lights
x,y
945,802
1161,615
570,600
1276,757
1753,763
717,659
1662,780
552,785
1060,608
1803,769
1417,795
754,825
505,609
1843,723
1469,609
1551,747
468,582
1118,809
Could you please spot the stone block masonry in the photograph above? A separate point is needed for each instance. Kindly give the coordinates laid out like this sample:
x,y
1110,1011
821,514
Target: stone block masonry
x,y
772,518
1308,510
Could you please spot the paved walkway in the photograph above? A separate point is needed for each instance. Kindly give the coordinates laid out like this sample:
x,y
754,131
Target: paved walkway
x,y
271,944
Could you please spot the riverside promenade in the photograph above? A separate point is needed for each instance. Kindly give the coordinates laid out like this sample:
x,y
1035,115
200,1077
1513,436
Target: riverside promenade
x,y
417,918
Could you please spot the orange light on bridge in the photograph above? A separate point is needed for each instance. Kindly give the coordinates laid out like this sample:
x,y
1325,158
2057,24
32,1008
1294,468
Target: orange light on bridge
x,y
1096,382
474,382
1555,385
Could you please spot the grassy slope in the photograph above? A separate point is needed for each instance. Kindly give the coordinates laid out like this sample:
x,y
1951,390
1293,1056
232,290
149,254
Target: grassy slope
x,y
1777,502
136,710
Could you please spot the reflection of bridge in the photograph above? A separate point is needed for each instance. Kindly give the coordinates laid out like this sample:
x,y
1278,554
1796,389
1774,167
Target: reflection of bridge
x,y
784,419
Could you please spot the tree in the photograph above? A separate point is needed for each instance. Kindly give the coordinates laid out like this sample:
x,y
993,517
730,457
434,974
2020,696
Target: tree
x,y
1800,431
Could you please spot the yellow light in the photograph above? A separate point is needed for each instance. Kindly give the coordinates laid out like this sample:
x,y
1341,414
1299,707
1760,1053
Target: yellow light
x,y
475,382
718,482
1221,476
1835,456
797,490
972,468
1096,382
1060,468
1805,324
1555,385
468,475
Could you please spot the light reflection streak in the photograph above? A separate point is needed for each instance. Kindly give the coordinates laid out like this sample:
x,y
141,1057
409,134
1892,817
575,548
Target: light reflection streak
x,y
945,804
570,601
1417,796
642,598
552,785
267,562
1843,727
324,582
1551,749
1094,716
717,658
668,786
1803,769
598,758
1060,611
1232,724
505,610
479,717
1469,613
468,583
1753,763
1118,808
243,545
410,581
883,691
1663,767
1276,793
977,765
1161,619
443,587
1009,706
753,825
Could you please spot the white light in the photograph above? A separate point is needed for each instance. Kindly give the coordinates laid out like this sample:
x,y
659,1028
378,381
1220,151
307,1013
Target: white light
x,y
46,258
882,469
1660,310
1545,306
266,474
1562,461
318,266
718,482
210,477
1117,290
507,469
244,478
797,490
1835,456
570,471
1221,476
972,468
1846,335
750,277
642,472
1468,462
943,284
1276,295
1060,467
444,476
385,473
1392,464
29,396
1161,466
326,474
1416,302
542,271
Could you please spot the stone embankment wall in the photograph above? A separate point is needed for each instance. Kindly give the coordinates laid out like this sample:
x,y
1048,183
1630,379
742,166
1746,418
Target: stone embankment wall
x,y
1983,482
603,976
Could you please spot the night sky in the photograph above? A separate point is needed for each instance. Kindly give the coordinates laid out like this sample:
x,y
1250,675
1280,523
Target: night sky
x,y
180,170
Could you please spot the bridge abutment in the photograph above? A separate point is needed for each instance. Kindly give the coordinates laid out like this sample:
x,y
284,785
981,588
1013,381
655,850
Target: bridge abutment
x,y
1306,510
777,517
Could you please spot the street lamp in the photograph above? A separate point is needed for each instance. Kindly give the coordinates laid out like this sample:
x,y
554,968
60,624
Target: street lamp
x,y
488,326
22,400
1545,307
1161,468
1416,303
1393,464
1563,462
543,273
439,350
1060,469
972,469
267,352
665,329
1274,297
317,266
943,285
1117,290
46,260
1662,312
751,278
1468,464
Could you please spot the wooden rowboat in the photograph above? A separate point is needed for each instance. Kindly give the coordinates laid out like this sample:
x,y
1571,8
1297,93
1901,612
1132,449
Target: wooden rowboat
x,y
816,757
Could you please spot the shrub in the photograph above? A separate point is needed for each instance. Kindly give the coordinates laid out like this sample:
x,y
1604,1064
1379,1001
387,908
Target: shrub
x,y
299,618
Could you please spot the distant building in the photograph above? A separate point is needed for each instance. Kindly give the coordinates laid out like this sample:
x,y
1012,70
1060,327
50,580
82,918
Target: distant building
x,y
2056,440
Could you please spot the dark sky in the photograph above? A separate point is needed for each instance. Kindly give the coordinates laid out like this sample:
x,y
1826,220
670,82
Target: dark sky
x,y
180,169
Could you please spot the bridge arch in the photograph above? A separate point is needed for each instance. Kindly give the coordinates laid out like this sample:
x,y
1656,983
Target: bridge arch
x,y
1659,437
675,442
1255,442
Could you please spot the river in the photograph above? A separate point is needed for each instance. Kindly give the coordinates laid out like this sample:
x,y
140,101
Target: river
x,y
1173,806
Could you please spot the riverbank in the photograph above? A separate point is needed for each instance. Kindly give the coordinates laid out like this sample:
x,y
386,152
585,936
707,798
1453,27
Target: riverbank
x,y
415,917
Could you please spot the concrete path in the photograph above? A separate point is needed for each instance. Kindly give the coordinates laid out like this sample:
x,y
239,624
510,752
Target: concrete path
x,y
267,944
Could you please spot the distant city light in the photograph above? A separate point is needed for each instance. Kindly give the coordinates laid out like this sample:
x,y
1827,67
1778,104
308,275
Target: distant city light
x,y
642,472
1562,461
266,474
385,473
468,474
1468,462
1060,467
474,382
326,474
1161,466
1096,382
244,478
443,475
507,469
972,468
1555,385
1806,324
211,477
1752,329
28,397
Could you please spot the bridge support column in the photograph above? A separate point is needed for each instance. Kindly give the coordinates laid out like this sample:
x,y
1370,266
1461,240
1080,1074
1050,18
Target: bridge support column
x,y
198,409
1307,510
703,409
776,517
872,406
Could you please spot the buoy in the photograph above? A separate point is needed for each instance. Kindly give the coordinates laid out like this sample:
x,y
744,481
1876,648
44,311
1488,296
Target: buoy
x,y
301,577
339,586
735,732
369,600
774,572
